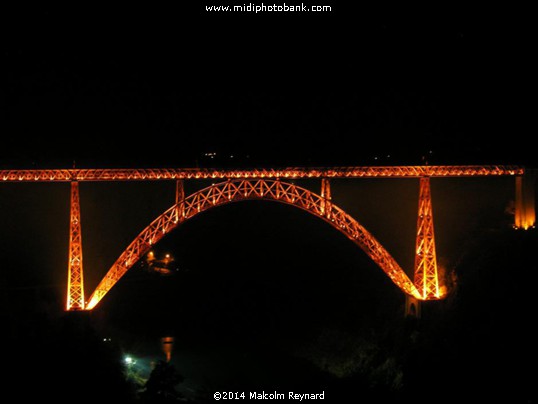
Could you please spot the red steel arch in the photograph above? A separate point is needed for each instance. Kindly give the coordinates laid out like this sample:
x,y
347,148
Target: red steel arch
x,y
252,189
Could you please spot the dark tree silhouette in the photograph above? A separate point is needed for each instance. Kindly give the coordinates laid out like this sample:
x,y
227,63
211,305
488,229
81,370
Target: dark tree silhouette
x,y
161,383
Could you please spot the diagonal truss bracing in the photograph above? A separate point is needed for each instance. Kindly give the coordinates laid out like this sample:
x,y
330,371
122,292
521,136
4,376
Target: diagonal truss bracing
x,y
152,174
239,190
426,275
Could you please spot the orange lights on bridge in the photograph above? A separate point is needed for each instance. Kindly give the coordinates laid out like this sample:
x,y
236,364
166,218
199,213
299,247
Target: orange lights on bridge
x,y
239,190
525,213
426,274
155,174
258,184
75,279
266,184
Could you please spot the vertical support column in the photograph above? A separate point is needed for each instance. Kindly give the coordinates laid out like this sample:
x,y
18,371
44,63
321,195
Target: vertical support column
x,y
426,276
180,201
525,215
326,204
75,282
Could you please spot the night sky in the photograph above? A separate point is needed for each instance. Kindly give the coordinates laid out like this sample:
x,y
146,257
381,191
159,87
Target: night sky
x,y
131,87
162,88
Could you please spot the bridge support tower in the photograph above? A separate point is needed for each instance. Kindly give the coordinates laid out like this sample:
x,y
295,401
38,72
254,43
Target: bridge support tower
x,y
426,275
75,281
525,215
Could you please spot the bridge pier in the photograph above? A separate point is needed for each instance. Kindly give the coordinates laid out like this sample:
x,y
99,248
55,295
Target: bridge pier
x,y
525,214
75,281
426,275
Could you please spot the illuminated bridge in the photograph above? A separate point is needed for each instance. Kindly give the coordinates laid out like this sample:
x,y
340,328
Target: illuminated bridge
x,y
274,185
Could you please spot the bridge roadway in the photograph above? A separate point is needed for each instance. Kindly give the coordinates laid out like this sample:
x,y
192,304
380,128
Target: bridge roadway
x,y
154,174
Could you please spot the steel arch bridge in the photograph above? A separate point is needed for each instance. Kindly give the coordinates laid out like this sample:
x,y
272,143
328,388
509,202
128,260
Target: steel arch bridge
x,y
266,184
241,190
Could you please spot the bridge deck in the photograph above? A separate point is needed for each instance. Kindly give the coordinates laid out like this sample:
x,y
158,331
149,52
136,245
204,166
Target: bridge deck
x,y
155,174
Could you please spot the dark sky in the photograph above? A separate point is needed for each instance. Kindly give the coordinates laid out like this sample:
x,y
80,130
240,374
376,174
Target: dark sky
x,y
158,87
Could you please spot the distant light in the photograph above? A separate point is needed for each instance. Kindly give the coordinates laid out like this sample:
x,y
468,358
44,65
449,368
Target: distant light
x,y
129,360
